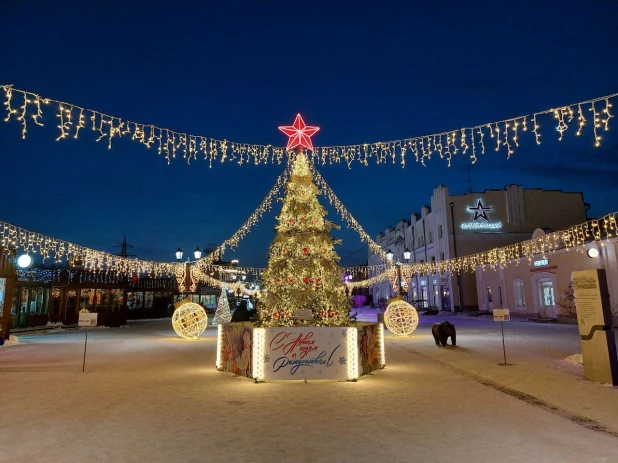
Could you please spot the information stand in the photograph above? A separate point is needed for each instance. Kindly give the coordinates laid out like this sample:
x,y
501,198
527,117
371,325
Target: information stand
x,y
502,315
86,319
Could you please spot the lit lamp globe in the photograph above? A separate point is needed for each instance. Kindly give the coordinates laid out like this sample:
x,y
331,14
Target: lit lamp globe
x,y
401,318
189,320
24,261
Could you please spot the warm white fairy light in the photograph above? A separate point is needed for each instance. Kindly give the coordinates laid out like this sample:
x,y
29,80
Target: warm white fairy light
x,y
401,318
189,320
380,334
170,143
219,364
353,364
596,124
581,119
259,339
608,116
535,130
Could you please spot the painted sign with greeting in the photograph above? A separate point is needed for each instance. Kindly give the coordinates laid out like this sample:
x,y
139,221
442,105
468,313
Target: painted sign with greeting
x,y
306,353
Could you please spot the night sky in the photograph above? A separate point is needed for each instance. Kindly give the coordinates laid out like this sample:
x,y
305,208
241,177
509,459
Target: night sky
x,y
363,71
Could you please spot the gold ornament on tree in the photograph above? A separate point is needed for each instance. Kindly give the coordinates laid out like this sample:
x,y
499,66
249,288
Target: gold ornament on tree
x,y
401,318
189,320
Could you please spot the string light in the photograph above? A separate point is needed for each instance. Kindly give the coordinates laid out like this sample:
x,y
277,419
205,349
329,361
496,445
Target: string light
x,y
581,119
596,124
170,143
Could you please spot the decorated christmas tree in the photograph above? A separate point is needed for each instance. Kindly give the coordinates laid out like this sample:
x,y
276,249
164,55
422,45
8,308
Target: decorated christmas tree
x,y
303,283
222,314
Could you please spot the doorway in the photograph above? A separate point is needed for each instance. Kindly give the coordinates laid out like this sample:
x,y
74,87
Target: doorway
x,y
546,294
489,298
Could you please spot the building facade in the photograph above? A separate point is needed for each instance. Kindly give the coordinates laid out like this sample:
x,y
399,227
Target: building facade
x,y
458,225
533,289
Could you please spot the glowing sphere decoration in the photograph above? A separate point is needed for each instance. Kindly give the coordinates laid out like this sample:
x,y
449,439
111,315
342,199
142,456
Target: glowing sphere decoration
x,y
401,318
24,261
189,320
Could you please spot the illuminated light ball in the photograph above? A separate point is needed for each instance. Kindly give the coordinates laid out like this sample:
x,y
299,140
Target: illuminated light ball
x,y
189,320
401,318
24,261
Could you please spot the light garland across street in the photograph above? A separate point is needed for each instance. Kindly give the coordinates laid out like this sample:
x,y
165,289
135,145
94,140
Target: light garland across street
x,y
596,230
24,106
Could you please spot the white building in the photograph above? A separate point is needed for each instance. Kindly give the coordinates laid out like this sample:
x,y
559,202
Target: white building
x,y
482,221
533,289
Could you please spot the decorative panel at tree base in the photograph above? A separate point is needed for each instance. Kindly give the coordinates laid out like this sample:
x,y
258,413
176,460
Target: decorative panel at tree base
x,y
301,353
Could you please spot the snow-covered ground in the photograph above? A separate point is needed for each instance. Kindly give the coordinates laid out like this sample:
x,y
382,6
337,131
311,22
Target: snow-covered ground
x,y
148,396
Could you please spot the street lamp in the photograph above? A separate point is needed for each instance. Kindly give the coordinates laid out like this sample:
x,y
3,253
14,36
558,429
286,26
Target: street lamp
x,y
389,255
406,255
459,291
197,253
179,254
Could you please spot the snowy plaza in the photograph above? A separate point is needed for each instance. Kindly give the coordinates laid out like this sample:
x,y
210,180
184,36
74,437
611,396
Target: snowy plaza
x,y
308,232
147,395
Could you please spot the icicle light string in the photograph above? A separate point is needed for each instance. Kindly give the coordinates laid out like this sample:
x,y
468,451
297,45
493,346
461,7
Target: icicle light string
x,y
343,212
28,106
17,238
251,221
596,230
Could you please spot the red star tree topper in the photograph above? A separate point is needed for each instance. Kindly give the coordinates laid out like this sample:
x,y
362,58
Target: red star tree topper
x,y
299,133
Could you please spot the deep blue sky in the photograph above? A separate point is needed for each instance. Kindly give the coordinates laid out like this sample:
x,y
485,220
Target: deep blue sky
x,y
363,71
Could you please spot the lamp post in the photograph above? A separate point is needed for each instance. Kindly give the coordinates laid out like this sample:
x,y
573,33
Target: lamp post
x,y
459,291
197,253
179,254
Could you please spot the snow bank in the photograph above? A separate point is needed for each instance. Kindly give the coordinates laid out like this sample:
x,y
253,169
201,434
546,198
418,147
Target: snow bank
x,y
12,341
575,359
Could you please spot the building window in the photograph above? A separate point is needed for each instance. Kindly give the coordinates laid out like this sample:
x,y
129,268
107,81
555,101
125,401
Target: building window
x,y
433,259
441,256
439,231
488,294
520,294
430,237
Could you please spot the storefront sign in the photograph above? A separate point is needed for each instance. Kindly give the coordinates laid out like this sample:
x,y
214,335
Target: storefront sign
x,y
541,262
305,353
481,226
480,220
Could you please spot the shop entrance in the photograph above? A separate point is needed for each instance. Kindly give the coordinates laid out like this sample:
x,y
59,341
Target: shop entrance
x,y
546,295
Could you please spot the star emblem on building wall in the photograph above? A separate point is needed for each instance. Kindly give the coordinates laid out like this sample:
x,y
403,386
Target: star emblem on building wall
x,y
480,212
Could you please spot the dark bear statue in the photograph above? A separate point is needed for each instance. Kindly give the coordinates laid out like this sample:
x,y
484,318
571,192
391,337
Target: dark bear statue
x,y
441,332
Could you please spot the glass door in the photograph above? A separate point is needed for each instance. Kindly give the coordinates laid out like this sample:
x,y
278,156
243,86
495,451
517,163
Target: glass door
x,y
547,303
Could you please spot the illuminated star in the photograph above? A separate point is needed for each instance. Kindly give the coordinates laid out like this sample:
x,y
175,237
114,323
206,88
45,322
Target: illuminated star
x,y
299,133
480,212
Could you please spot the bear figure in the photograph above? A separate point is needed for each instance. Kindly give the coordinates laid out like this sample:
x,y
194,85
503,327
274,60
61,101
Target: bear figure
x,y
441,332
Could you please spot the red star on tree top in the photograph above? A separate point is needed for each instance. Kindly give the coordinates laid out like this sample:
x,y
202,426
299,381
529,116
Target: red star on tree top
x,y
299,133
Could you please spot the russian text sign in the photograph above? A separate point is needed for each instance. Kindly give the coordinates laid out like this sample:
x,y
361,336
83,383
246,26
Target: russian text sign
x,y
306,353
502,315
87,319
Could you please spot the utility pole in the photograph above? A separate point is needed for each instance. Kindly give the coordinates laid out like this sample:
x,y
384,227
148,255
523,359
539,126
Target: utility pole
x,y
123,251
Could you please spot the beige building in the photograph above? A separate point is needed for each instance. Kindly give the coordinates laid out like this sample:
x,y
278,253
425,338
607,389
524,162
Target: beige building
x,y
458,225
532,289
